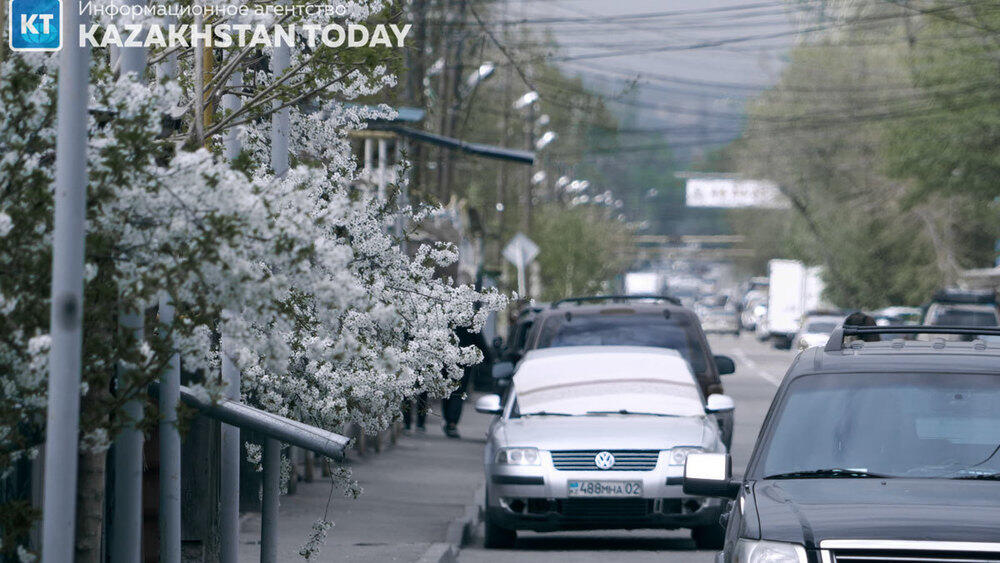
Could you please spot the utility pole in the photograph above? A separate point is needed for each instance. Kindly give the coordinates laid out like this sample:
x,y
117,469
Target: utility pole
x,y
280,130
65,321
126,521
229,457
529,144
501,204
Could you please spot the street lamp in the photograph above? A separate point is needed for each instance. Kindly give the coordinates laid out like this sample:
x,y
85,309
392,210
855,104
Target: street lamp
x,y
545,139
484,71
526,100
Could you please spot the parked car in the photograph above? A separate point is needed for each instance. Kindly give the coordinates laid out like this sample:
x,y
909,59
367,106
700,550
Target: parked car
x,y
816,330
595,437
871,451
631,320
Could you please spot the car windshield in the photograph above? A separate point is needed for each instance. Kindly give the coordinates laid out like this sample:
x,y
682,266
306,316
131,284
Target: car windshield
x,y
656,330
821,327
965,317
894,425
614,396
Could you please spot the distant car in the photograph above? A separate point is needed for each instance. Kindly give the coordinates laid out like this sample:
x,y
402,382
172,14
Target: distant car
x,y
595,437
870,452
962,308
753,310
816,330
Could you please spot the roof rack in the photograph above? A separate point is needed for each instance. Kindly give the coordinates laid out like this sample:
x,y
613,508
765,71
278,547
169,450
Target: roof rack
x,y
836,342
593,298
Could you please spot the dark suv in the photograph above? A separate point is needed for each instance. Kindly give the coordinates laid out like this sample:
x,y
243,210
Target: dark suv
x,y
630,320
871,451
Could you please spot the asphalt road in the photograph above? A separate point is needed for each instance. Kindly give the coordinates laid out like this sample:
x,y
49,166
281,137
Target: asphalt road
x,y
759,368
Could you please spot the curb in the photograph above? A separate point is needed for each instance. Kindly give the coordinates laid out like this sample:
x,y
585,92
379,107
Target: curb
x,y
460,532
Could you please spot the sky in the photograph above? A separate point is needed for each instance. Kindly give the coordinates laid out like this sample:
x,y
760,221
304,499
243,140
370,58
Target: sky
x,y
694,62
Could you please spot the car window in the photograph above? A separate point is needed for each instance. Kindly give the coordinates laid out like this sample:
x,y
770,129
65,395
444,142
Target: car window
x,y
820,326
676,333
641,396
905,425
965,317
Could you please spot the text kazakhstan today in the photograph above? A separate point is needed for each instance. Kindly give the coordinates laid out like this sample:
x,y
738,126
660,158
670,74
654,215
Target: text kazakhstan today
x,y
242,35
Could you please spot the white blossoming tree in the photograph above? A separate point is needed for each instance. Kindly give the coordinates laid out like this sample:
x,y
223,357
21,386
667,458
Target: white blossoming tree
x,y
330,322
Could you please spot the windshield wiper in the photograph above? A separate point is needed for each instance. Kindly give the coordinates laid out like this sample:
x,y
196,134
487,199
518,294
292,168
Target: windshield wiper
x,y
546,413
835,472
980,477
626,411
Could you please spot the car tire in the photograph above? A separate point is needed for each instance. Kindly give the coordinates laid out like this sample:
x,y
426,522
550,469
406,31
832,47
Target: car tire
x,y
497,537
711,537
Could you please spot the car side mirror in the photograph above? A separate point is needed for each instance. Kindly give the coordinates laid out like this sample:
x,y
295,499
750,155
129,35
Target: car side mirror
x,y
719,404
503,370
489,404
710,475
725,365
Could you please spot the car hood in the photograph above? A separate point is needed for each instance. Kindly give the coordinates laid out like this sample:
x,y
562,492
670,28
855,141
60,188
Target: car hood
x,y
606,432
811,510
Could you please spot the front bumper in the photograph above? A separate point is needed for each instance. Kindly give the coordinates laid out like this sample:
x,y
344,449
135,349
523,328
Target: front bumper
x,y
536,498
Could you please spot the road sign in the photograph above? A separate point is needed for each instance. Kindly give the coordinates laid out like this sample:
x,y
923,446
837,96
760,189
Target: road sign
x,y
520,251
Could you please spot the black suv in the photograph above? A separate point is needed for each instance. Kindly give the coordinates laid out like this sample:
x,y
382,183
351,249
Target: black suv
x,y
629,320
871,451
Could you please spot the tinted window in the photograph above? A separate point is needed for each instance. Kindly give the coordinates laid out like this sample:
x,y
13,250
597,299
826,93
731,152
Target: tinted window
x,y
958,317
912,425
821,326
656,330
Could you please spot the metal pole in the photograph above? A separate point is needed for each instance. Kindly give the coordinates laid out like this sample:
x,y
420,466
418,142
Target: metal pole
x,y
170,450
229,488
232,103
65,326
126,531
269,509
280,127
126,518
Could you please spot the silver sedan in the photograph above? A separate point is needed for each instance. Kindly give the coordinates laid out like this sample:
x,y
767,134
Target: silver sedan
x,y
596,438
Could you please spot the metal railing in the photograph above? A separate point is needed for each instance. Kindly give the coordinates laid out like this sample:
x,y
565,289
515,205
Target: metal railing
x,y
278,430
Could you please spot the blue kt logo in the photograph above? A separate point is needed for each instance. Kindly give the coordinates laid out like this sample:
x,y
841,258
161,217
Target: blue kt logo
x,y
34,25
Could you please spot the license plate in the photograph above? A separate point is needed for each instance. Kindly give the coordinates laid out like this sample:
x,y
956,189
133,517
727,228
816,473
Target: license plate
x,y
605,489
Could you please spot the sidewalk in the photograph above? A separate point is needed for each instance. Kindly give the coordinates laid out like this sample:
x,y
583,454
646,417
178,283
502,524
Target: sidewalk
x,y
411,493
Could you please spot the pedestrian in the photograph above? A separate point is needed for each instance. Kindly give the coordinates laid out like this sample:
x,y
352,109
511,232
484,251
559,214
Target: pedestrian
x,y
421,401
451,406
858,318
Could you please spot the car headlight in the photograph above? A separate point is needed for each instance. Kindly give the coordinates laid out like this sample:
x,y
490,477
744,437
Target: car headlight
x,y
517,456
678,456
753,551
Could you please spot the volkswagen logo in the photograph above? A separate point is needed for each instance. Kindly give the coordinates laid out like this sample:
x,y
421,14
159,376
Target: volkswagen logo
x,y
604,460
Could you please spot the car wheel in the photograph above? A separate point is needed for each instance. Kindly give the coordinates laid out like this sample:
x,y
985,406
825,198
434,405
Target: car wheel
x,y
712,536
497,537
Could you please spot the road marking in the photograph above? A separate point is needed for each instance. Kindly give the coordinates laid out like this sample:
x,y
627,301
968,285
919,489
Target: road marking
x,y
756,369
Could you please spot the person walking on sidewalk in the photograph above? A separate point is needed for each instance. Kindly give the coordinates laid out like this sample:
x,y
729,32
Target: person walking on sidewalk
x,y
421,404
451,406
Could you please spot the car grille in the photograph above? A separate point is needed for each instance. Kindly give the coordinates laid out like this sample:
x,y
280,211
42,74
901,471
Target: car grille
x,y
625,460
907,556
605,509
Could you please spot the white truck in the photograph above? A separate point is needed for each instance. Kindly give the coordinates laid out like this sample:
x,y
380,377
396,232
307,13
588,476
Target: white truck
x,y
794,290
643,283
